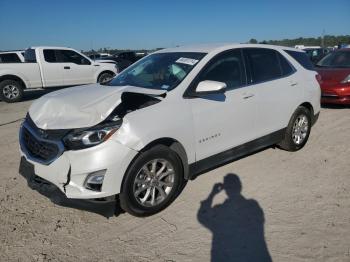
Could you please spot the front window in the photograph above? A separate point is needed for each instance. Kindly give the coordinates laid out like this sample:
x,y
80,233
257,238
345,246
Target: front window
x,y
159,71
338,59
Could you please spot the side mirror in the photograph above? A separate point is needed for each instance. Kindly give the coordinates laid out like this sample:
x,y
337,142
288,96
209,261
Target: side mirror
x,y
211,87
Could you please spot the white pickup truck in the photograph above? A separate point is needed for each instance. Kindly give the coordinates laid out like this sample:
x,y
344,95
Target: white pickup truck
x,y
46,67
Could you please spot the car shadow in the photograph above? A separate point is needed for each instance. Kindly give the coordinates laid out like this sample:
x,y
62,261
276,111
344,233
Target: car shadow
x,y
237,224
335,106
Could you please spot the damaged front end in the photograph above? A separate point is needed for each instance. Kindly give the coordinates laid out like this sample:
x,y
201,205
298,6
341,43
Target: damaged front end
x,y
72,158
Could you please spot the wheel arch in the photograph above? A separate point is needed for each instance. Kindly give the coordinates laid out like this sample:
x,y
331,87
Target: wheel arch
x,y
13,77
175,146
308,106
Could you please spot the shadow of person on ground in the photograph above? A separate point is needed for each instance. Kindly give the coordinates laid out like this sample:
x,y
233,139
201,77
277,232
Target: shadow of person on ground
x,y
237,225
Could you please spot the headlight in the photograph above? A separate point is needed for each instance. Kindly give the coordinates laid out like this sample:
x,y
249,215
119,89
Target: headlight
x,y
79,139
346,80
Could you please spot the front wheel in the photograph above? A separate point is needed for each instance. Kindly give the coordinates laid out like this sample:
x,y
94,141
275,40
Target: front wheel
x,y
11,91
152,182
298,130
105,77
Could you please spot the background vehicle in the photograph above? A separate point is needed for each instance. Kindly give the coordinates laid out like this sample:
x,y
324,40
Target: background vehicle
x,y
12,57
128,137
122,59
46,67
334,70
99,56
316,54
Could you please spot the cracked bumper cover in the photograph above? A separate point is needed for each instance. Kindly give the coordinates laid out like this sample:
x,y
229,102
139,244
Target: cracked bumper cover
x,y
69,171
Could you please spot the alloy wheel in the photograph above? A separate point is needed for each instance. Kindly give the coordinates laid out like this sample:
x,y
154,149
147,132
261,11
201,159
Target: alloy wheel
x,y
154,182
300,129
10,91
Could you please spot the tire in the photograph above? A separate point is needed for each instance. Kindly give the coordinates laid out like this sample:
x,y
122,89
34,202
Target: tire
x,y
104,77
294,131
11,91
133,192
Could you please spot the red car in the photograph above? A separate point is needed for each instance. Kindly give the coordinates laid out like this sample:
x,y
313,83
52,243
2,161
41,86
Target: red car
x,y
334,70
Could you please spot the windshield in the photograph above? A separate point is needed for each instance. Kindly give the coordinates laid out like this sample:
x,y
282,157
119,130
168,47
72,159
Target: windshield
x,y
162,71
338,59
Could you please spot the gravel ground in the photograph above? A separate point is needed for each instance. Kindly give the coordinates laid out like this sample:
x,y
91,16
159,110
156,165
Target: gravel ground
x,y
274,204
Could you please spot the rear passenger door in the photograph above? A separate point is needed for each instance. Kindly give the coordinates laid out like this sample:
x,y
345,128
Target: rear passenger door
x,y
277,92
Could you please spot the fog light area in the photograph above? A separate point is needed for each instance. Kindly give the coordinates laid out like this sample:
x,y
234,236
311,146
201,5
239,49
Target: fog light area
x,y
94,180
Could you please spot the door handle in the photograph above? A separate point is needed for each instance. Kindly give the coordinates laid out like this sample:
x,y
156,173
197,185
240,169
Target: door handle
x,y
293,83
67,67
246,95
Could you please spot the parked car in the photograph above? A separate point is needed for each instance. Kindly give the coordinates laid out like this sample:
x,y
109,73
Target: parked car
x,y
12,57
316,54
168,118
46,67
99,56
334,70
124,59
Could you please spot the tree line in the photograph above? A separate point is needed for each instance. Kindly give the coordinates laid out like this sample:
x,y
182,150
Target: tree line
x,y
328,41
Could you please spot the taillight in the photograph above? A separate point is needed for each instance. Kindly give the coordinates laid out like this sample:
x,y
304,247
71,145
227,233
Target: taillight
x,y
319,78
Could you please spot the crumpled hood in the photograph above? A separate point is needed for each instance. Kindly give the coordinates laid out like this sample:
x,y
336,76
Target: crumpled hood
x,y
82,106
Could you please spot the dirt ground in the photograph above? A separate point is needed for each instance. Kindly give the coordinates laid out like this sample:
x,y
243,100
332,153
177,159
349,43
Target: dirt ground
x,y
275,204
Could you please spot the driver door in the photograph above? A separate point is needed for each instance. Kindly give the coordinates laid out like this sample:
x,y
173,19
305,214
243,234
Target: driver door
x,y
224,120
78,70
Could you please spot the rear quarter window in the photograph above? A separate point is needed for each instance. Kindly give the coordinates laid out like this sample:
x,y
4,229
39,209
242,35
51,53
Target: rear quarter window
x,y
301,58
9,58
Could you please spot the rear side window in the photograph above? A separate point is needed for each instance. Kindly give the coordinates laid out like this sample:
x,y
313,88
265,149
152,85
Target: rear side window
x,y
263,63
287,68
227,68
29,56
301,58
50,56
9,58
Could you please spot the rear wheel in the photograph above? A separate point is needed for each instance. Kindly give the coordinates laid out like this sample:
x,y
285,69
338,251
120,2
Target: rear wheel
x,y
298,130
11,91
152,182
105,77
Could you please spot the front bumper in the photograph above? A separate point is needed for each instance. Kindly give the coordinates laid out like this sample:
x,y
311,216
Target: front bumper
x,y
333,94
335,99
69,171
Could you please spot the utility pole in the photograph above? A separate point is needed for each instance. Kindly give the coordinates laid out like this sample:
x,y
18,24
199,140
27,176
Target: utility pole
x,y
322,39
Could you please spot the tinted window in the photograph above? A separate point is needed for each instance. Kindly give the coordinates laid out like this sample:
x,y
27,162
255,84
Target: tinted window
x,y
338,59
50,56
263,64
69,56
9,58
29,56
286,67
301,58
227,68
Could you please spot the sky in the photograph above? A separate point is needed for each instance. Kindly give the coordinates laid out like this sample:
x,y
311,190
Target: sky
x,y
150,24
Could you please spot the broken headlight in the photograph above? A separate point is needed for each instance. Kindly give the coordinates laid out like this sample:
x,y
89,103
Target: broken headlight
x,y
79,139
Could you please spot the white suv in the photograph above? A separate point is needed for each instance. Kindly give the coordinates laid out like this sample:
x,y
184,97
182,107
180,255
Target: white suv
x,y
169,117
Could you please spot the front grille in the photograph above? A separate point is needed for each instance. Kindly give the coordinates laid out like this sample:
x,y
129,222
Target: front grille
x,y
44,151
43,146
